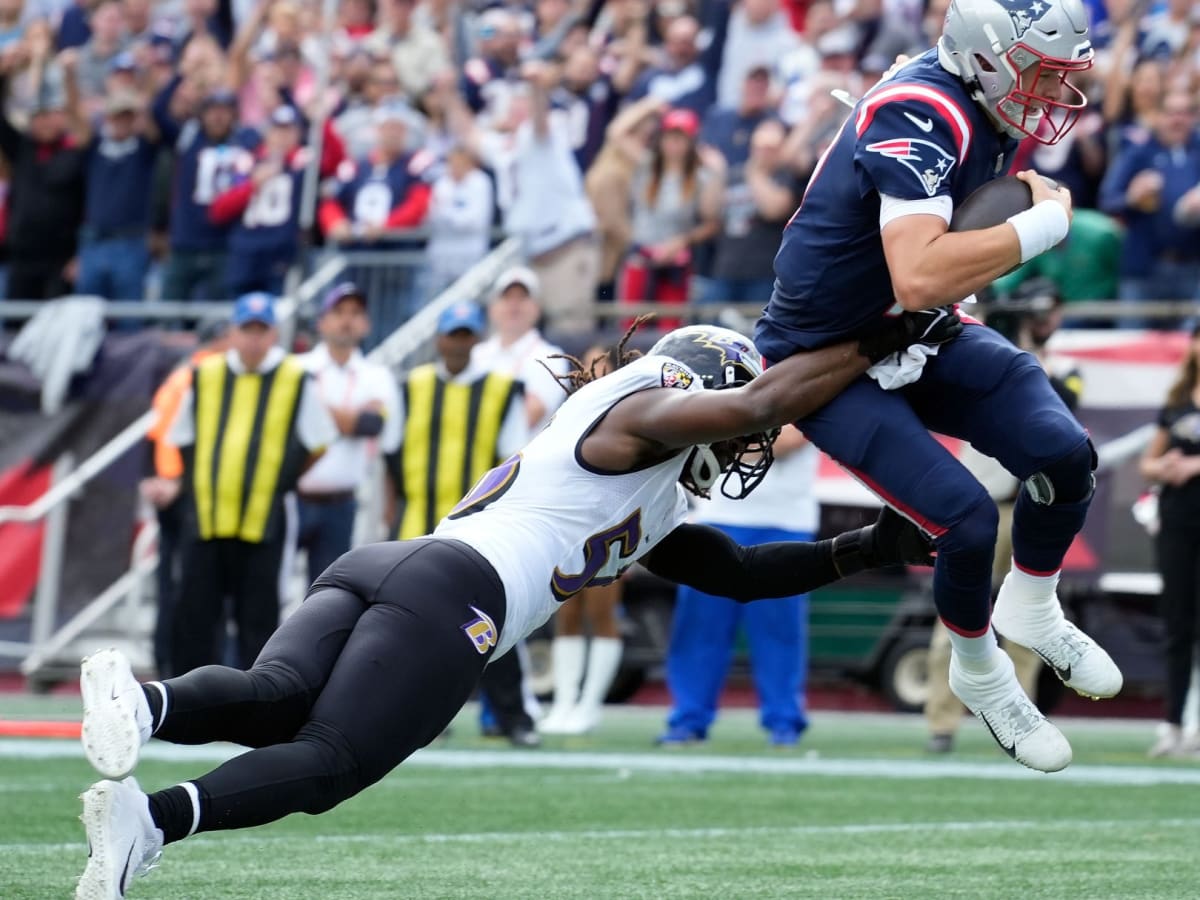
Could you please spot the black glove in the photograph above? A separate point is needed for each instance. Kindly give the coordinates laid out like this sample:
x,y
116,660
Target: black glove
x,y
925,326
891,541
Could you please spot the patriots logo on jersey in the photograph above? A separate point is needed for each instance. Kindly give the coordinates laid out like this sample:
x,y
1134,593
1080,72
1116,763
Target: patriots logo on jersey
x,y
675,375
481,630
925,159
1024,13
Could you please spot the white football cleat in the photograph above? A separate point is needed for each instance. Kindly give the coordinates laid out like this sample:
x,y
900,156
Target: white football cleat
x,y
116,716
123,841
1079,662
1017,725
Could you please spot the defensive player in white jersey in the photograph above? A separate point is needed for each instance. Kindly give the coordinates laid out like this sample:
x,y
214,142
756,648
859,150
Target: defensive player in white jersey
x,y
393,637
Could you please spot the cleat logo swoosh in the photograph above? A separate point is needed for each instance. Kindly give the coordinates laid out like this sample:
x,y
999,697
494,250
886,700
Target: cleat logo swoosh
x,y
125,871
1011,751
1064,675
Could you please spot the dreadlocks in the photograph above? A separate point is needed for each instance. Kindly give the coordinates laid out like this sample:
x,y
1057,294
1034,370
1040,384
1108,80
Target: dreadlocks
x,y
617,356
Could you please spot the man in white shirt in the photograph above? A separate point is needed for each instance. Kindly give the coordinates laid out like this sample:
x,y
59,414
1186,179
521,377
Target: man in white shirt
x,y
517,348
362,398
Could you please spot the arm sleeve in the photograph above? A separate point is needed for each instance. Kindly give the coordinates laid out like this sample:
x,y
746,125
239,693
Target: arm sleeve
x,y
907,149
707,559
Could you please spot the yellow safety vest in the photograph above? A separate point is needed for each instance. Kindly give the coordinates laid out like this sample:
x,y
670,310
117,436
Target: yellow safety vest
x,y
451,433
244,423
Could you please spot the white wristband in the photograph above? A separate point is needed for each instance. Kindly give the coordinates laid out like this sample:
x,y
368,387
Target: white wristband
x,y
1040,228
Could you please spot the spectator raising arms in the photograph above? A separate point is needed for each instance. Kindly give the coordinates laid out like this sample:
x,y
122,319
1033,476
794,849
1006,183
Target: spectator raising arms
x,y
676,205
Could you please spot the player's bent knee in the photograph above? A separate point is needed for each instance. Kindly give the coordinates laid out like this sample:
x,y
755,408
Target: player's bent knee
x,y
975,532
1069,479
336,766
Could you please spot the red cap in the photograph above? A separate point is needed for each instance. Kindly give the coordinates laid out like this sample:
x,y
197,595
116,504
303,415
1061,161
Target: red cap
x,y
682,120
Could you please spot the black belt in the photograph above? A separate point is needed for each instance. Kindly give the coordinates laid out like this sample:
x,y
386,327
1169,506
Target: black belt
x,y
328,499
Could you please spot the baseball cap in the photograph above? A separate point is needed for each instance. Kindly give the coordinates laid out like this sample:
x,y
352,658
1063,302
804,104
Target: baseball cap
x,y
521,275
461,316
284,116
256,307
340,292
682,120
122,102
219,97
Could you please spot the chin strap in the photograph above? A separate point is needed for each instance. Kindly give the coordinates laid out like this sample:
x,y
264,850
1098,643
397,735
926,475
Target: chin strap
x,y
703,466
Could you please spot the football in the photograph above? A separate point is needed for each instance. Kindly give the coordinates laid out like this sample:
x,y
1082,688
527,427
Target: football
x,y
993,203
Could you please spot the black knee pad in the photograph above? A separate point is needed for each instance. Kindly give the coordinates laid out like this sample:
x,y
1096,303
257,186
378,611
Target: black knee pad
x,y
1069,479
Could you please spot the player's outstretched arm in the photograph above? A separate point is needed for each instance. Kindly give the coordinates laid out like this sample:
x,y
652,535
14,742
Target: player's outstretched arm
x,y
788,391
707,559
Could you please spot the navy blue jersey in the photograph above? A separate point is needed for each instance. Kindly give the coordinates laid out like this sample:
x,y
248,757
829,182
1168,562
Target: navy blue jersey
x,y
369,191
269,220
588,113
916,136
204,169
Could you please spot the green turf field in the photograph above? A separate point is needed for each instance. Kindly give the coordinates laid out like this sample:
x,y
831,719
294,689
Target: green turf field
x,y
856,811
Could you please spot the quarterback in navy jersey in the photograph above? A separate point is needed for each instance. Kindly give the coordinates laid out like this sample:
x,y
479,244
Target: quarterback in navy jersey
x,y
872,232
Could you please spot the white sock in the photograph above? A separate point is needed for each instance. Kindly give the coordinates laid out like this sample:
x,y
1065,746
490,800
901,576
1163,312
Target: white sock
x,y
975,654
1038,599
568,654
604,657
162,712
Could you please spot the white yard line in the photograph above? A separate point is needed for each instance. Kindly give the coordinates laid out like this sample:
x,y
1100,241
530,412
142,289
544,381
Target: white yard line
x,y
674,763
687,834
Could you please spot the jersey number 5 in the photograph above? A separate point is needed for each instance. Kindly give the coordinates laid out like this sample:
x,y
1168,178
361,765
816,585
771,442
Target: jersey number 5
x,y
599,566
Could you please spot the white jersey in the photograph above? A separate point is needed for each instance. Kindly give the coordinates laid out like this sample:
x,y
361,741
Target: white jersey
x,y
550,525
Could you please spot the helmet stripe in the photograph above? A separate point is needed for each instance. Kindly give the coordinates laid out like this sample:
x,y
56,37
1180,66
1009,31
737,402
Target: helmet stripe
x,y
947,109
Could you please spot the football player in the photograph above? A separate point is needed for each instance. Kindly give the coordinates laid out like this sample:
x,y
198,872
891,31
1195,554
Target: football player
x,y
392,638
872,231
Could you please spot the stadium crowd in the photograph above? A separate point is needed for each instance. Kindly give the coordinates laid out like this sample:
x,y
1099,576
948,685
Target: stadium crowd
x,y
641,152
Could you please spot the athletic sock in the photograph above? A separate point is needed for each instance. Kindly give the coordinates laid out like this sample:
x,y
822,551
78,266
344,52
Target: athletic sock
x,y
975,654
1036,597
159,700
176,811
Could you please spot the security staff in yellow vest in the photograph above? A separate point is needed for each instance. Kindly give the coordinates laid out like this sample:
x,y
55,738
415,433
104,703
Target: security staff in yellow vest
x,y
459,420
251,423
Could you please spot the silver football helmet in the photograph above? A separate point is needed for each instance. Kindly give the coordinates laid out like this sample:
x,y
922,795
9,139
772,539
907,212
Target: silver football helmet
x,y
1016,57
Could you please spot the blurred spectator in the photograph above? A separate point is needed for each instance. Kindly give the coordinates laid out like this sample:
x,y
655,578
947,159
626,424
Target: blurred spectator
x,y
443,452
12,28
1076,162
609,185
1133,92
703,627
489,77
45,204
417,52
385,191
361,397
461,210
759,34
727,129
1084,266
264,207
760,196
366,82
549,210
579,690
1155,187
686,79
209,153
516,347
676,205
1166,32
97,55
113,251
588,100
250,424
1172,461
163,489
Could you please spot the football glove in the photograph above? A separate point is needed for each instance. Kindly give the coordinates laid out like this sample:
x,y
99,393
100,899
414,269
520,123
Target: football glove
x,y
931,327
891,541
